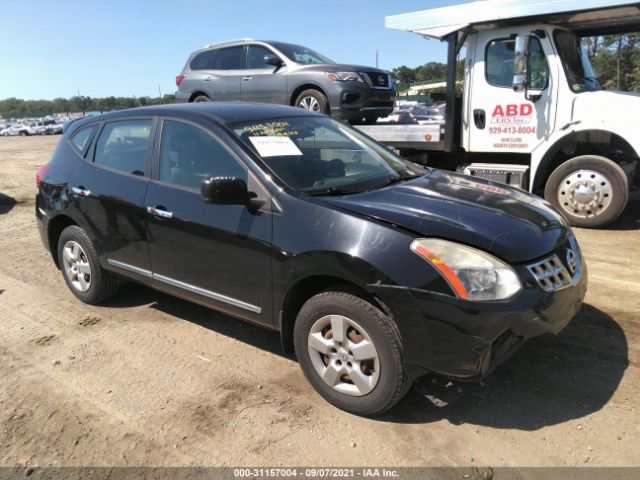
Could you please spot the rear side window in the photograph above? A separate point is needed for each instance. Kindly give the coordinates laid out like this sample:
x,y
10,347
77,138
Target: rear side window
x,y
82,138
123,146
188,155
228,59
203,61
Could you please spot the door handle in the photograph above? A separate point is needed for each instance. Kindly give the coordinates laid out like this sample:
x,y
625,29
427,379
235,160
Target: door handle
x,y
81,191
207,78
479,118
160,212
247,78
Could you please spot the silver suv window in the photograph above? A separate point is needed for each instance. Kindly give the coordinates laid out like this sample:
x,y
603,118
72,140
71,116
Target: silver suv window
x,y
255,57
228,59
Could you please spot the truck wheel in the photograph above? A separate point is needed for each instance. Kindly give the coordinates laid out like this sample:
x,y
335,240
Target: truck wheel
x,y
313,100
23,134
590,190
350,352
81,269
201,99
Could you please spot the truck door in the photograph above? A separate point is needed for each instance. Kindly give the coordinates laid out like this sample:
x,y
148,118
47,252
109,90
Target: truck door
x,y
500,119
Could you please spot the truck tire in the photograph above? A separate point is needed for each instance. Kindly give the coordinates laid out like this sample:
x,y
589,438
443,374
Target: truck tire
x,y
23,133
350,352
313,100
81,269
590,190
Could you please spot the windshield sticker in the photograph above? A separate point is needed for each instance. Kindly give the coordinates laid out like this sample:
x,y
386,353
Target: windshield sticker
x,y
275,146
276,129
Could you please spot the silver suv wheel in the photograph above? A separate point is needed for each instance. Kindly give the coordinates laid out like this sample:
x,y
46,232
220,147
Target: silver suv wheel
x,y
344,355
309,103
76,266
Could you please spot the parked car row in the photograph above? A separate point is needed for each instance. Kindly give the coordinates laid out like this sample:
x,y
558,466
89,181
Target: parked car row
x,y
33,126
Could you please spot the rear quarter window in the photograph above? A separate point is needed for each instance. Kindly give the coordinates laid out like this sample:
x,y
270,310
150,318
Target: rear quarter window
x,y
81,139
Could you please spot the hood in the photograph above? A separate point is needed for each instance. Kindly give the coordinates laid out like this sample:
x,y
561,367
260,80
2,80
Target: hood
x,y
507,222
610,106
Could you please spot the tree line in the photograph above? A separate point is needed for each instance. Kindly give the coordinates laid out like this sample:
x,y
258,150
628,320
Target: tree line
x,y
17,108
615,60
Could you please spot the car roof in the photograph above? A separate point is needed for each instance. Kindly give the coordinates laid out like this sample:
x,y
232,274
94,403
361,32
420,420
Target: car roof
x,y
224,113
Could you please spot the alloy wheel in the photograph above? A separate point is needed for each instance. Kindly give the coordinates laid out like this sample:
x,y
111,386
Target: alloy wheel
x,y
309,103
76,266
584,193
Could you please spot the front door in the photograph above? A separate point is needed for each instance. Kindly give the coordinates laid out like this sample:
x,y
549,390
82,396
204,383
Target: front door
x,y
216,255
261,82
500,119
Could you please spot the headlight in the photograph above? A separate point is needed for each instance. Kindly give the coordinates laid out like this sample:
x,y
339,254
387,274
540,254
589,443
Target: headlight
x,y
344,76
471,273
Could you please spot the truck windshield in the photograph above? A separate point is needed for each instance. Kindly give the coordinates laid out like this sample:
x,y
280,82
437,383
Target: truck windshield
x,y
320,156
301,54
575,62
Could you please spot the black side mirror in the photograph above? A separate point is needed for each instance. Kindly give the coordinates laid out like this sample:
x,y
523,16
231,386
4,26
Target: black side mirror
x,y
225,190
272,59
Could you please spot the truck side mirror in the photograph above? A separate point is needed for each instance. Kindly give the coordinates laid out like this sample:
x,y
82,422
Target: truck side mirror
x,y
521,51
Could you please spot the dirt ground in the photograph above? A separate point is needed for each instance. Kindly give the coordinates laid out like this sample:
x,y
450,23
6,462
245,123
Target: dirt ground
x,y
151,380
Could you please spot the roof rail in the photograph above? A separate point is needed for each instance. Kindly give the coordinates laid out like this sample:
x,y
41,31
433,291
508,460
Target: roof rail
x,y
228,42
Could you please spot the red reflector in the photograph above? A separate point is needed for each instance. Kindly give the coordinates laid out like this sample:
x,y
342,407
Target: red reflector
x,y
41,173
179,79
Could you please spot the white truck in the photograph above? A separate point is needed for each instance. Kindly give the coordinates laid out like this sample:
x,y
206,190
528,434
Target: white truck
x,y
532,114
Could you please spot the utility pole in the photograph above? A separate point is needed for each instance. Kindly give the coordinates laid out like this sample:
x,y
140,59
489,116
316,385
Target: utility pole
x,y
377,58
159,92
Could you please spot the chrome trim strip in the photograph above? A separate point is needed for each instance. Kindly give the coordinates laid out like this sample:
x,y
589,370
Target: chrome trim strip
x,y
185,286
131,268
42,212
208,293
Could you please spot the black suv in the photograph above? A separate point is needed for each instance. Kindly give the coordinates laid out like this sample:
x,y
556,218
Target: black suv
x,y
286,74
374,270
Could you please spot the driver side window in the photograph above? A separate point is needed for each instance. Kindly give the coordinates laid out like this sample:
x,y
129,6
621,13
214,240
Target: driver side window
x,y
189,155
499,62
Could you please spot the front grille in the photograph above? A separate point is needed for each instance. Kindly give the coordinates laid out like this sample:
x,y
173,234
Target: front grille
x,y
552,274
378,79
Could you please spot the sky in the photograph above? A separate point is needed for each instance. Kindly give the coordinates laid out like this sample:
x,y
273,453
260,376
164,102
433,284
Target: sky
x,y
129,48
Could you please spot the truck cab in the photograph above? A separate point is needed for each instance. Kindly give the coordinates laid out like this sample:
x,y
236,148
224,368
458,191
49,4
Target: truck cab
x,y
532,113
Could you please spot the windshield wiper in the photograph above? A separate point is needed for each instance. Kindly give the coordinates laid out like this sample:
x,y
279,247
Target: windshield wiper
x,y
332,191
392,180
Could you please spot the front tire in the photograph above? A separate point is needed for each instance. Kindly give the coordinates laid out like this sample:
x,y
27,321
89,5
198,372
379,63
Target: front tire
x,y
313,100
350,352
81,269
590,190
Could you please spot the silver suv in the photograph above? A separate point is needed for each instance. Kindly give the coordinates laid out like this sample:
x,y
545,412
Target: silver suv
x,y
274,72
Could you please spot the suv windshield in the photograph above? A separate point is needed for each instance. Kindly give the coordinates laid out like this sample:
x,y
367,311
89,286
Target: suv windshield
x,y
575,62
300,54
320,156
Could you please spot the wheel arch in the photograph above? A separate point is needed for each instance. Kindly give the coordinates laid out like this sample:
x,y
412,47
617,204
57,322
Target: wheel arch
x,y
307,86
54,229
193,96
582,142
305,288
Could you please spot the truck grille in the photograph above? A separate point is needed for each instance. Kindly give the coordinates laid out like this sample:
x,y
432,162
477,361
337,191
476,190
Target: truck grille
x,y
377,79
553,275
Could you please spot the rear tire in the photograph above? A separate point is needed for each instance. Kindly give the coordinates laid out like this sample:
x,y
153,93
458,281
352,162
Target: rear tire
x,y
81,269
361,370
313,100
590,190
201,99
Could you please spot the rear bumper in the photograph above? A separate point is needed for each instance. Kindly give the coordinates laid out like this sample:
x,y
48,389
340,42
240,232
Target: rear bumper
x,y
465,340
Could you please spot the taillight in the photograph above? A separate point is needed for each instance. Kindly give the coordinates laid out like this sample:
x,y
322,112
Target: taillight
x,y
41,173
179,79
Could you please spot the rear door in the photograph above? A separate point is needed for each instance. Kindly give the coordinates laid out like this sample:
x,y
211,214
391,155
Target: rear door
x,y
500,119
263,83
221,81
216,255
110,189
